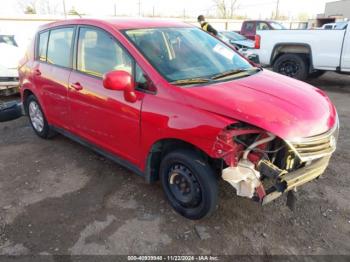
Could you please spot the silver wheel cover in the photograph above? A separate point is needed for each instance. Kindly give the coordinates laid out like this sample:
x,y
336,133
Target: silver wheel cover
x,y
36,116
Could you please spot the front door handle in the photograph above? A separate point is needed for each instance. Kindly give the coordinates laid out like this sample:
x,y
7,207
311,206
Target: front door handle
x,y
77,86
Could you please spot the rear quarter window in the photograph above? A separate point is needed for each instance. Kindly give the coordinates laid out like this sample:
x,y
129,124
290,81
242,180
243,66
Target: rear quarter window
x,y
60,45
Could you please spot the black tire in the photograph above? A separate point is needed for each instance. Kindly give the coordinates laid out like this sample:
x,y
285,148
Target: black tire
x,y
10,111
292,65
46,131
316,74
189,183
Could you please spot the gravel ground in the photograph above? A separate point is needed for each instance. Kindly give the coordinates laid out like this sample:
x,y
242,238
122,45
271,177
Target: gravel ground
x,y
57,197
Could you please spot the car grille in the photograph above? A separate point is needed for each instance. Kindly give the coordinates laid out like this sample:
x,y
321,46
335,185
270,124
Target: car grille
x,y
310,148
8,79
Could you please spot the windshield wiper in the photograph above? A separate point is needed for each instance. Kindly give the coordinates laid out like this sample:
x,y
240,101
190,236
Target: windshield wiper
x,y
191,81
233,72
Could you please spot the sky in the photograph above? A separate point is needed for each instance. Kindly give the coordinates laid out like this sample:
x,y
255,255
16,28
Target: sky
x,y
252,8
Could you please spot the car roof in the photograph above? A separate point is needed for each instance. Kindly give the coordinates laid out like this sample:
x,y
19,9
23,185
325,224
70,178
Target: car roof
x,y
120,24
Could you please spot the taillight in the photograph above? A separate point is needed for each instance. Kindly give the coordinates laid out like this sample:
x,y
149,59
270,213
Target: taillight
x,y
257,41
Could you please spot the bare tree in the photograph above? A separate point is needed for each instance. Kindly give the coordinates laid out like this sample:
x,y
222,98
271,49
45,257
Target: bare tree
x,y
48,7
74,11
45,7
28,6
226,8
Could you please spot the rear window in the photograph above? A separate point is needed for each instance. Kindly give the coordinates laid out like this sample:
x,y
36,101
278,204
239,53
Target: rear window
x,y
249,26
60,45
42,46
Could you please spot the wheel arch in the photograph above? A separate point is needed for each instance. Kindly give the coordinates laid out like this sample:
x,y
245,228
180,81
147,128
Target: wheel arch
x,y
292,48
27,90
160,148
26,93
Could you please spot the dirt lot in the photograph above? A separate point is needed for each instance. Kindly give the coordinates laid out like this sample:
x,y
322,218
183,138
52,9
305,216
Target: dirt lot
x,y
57,197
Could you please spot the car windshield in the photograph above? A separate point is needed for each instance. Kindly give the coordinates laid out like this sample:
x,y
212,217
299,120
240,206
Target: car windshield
x,y
234,36
7,39
277,26
186,53
341,25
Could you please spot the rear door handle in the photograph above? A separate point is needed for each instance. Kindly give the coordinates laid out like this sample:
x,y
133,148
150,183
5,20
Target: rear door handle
x,y
37,72
77,86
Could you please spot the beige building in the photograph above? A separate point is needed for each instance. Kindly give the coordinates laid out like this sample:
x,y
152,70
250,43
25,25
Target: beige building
x,y
338,9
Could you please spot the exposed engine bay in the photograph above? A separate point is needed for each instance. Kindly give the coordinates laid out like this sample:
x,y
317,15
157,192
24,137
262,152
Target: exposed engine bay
x,y
262,166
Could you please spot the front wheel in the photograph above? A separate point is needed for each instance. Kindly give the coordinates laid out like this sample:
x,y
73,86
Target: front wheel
x,y
189,183
292,65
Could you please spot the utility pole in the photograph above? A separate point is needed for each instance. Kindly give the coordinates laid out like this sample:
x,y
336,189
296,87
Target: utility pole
x,y
153,13
139,3
64,9
115,9
277,7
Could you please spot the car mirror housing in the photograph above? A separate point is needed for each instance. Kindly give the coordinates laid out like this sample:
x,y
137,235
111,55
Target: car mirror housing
x,y
120,81
117,80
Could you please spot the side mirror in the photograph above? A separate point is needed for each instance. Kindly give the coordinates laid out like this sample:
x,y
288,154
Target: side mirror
x,y
117,80
120,81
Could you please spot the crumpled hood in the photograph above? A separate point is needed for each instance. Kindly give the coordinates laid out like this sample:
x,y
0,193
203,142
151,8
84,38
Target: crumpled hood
x,y
281,105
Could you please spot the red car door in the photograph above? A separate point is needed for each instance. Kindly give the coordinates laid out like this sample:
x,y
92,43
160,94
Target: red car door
x,y
103,116
51,73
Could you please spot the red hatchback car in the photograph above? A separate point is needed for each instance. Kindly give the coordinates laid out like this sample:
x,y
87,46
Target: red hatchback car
x,y
171,102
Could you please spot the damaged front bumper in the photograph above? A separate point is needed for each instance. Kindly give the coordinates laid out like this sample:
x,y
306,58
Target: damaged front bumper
x,y
298,177
247,180
263,181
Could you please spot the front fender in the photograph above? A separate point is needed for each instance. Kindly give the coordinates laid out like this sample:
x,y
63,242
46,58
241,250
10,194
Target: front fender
x,y
165,119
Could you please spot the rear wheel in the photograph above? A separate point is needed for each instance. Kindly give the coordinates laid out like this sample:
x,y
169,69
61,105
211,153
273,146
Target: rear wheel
x,y
292,65
37,118
189,183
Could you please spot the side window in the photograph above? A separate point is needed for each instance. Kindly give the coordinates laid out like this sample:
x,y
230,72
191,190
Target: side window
x,y
262,26
142,81
60,45
249,26
42,46
99,53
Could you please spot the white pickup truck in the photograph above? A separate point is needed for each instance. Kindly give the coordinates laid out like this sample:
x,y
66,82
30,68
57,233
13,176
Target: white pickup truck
x,y
304,53
10,54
